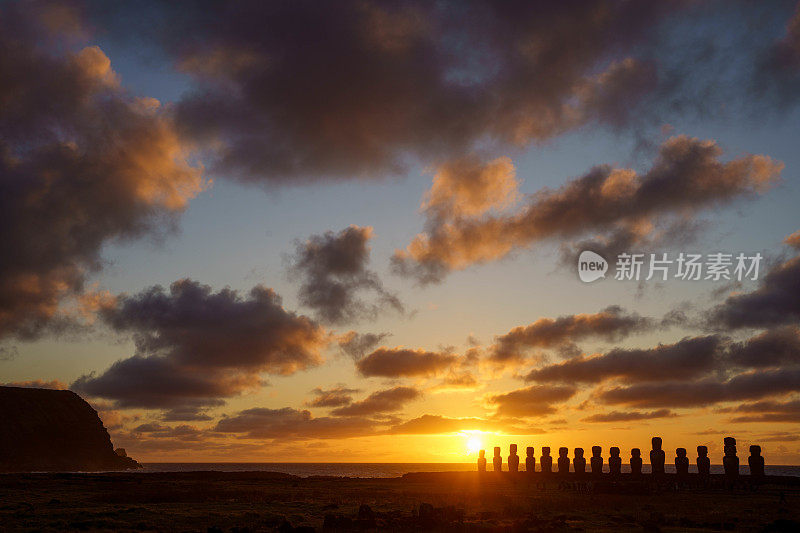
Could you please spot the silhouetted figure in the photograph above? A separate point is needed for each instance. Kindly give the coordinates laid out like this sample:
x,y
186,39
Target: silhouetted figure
x,y
636,461
703,462
730,462
657,457
597,460
497,460
563,461
482,461
756,462
545,460
530,460
513,459
579,461
681,463
614,461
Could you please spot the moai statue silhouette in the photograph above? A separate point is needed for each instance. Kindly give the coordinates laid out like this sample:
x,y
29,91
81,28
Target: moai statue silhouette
x,y
579,461
530,460
563,460
482,461
657,457
730,462
756,462
636,461
545,460
513,459
497,460
614,461
703,462
681,463
597,460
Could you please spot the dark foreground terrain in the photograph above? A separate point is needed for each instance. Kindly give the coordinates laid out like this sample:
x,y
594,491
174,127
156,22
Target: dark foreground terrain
x,y
464,501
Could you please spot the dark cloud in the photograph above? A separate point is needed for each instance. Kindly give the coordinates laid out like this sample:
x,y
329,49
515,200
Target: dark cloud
x,y
296,91
195,346
404,362
775,347
793,240
611,324
774,302
380,402
82,164
288,423
745,386
335,397
333,273
356,345
778,70
626,416
686,177
686,358
767,411
535,400
185,414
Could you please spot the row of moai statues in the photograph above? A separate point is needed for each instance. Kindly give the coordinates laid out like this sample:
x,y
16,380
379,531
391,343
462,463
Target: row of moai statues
x,y
657,460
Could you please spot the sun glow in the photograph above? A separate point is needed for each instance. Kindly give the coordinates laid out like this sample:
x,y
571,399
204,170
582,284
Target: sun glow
x,y
474,443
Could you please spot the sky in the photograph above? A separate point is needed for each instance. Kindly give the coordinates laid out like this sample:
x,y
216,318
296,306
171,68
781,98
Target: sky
x,y
350,231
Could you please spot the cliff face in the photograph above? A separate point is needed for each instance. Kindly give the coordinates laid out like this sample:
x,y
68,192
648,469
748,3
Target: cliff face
x,y
53,430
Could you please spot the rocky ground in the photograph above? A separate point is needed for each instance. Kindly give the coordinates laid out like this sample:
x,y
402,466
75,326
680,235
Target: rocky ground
x,y
259,501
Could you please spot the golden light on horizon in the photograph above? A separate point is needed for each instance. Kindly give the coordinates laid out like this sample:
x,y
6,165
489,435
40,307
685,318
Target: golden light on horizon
x,y
474,444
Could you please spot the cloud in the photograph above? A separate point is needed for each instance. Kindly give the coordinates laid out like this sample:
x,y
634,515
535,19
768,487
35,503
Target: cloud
x,y
535,400
335,397
687,176
404,362
778,69
38,384
772,348
707,391
195,346
442,425
687,358
380,402
773,303
793,240
768,411
626,416
185,414
298,92
611,324
333,271
356,345
82,164
289,423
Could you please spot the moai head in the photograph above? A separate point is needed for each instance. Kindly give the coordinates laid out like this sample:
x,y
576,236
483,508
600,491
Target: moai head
x,y
656,443
529,451
614,451
730,451
482,454
730,441
497,451
680,452
702,451
636,452
596,451
513,449
755,450
562,452
578,453
546,451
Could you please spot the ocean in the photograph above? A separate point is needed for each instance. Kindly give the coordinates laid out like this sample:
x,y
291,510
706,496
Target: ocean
x,y
390,469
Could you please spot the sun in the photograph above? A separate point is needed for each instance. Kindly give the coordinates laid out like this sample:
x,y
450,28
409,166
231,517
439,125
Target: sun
x,y
474,444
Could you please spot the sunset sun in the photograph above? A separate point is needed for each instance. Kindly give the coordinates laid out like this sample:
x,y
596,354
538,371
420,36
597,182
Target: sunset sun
x,y
474,443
